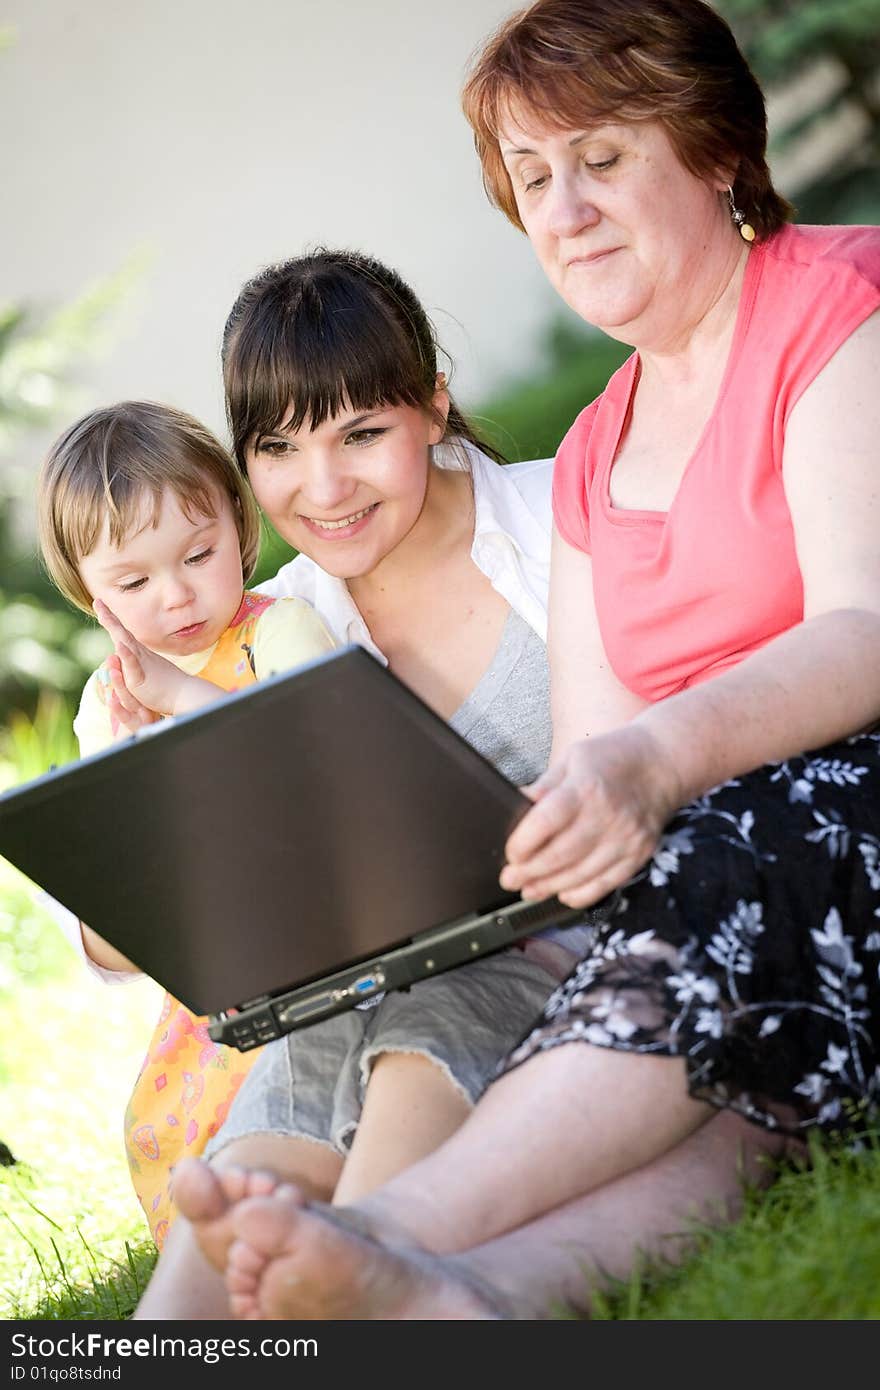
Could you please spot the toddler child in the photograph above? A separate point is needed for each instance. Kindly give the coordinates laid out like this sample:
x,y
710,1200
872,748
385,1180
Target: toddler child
x,y
145,520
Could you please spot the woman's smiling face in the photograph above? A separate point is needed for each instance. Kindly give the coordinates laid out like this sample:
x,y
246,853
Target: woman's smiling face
x,y
349,492
617,222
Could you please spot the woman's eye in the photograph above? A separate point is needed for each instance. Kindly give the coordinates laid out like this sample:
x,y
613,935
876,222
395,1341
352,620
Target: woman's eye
x,y
600,165
132,585
537,181
275,448
202,556
364,436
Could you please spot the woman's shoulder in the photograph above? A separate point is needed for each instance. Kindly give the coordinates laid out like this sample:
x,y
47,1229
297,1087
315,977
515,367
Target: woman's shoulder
x,y
815,286
826,253
509,497
532,480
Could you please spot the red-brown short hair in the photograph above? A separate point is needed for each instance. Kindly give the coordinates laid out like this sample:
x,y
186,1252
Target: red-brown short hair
x,y
571,63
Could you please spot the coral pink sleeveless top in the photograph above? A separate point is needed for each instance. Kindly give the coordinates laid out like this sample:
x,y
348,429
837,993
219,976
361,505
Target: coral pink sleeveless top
x,y
680,595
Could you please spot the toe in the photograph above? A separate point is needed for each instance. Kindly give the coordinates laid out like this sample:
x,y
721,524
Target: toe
x,y
197,1191
245,1260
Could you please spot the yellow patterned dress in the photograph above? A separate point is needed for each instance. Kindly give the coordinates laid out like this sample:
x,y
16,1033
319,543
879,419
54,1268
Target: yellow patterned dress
x,y
187,1082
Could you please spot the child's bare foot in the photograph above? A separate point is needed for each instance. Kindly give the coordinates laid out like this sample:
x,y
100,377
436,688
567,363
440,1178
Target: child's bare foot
x,y
207,1197
290,1260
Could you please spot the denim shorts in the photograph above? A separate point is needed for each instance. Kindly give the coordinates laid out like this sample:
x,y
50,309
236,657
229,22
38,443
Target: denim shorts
x,y
311,1083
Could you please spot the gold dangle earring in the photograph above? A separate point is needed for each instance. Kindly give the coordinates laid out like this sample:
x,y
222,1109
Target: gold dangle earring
x,y
746,230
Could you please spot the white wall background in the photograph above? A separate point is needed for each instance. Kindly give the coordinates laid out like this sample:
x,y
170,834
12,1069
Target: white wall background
x,y
219,135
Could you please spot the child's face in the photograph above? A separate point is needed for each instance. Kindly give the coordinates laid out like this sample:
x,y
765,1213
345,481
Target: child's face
x,y
348,493
175,586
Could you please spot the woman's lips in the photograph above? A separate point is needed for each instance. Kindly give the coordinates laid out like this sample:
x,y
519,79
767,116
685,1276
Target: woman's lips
x,y
342,528
593,258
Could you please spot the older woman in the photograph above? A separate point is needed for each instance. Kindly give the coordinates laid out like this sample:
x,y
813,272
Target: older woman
x,y
715,612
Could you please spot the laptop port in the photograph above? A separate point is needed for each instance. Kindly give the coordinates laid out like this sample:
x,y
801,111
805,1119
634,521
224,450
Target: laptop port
x,y
310,1007
368,984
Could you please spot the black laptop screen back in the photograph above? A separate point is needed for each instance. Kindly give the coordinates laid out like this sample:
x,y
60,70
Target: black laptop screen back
x,y
306,823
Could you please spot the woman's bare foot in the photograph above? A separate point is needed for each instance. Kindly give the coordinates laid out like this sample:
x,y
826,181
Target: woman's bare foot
x,y
207,1197
290,1260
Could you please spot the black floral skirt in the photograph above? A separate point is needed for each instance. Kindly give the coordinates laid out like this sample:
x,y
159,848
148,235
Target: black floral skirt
x,y
750,947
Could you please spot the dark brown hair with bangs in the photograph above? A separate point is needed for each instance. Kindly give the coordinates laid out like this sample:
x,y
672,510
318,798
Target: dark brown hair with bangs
x,y
570,63
328,331
114,460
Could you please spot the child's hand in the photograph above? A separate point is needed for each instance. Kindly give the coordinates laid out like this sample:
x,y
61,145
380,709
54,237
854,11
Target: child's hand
x,y
154,683
127,714
144,684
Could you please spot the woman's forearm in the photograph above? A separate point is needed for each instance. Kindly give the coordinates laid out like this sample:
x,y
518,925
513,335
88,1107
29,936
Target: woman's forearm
x,y
818,682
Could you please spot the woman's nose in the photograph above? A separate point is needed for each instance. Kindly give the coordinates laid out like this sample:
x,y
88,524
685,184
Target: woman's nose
x,y
324,484
570,209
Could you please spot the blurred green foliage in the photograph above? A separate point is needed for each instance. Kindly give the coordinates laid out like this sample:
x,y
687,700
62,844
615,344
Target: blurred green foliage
x,y
274,552
44,643
31,949
527,419
833,46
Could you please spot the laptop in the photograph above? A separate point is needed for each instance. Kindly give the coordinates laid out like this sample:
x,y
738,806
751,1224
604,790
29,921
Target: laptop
x,y
289,851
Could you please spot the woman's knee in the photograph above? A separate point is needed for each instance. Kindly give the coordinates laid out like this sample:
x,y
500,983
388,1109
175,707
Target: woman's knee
x,y
312,1165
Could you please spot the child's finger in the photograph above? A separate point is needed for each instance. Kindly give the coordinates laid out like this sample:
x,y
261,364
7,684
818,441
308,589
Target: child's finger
x,y
108,620
131,719
132,666
121,692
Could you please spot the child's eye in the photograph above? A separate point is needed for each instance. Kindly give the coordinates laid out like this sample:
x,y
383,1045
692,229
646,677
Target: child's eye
x,y
132,585
365,436
202,556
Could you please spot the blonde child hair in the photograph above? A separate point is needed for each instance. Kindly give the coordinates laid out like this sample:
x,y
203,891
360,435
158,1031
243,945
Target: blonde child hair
x,y
105,464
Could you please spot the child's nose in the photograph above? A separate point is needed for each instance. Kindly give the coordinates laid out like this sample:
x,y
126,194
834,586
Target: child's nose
x,y
178,591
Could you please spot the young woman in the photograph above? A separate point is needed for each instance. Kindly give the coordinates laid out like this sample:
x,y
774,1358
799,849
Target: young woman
x,y
415,542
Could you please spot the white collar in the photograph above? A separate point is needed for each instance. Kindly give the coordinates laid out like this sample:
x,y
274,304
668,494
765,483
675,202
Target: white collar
x,y
500,509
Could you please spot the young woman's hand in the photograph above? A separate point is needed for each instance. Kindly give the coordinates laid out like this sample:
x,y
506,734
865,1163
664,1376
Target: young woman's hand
x,y
597,818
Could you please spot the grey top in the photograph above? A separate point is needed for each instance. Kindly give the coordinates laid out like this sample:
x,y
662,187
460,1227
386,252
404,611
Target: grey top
x,y
506,717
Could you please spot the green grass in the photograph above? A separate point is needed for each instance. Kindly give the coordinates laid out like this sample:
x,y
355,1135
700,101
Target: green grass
x,y
807,1249
74,1240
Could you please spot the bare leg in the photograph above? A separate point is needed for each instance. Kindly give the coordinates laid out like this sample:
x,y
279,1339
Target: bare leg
x,y
569,1120
294,1262
553,1265
410,1108
186,1282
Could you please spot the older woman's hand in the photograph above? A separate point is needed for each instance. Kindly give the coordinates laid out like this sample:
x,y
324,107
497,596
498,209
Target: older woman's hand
x,y
597,818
